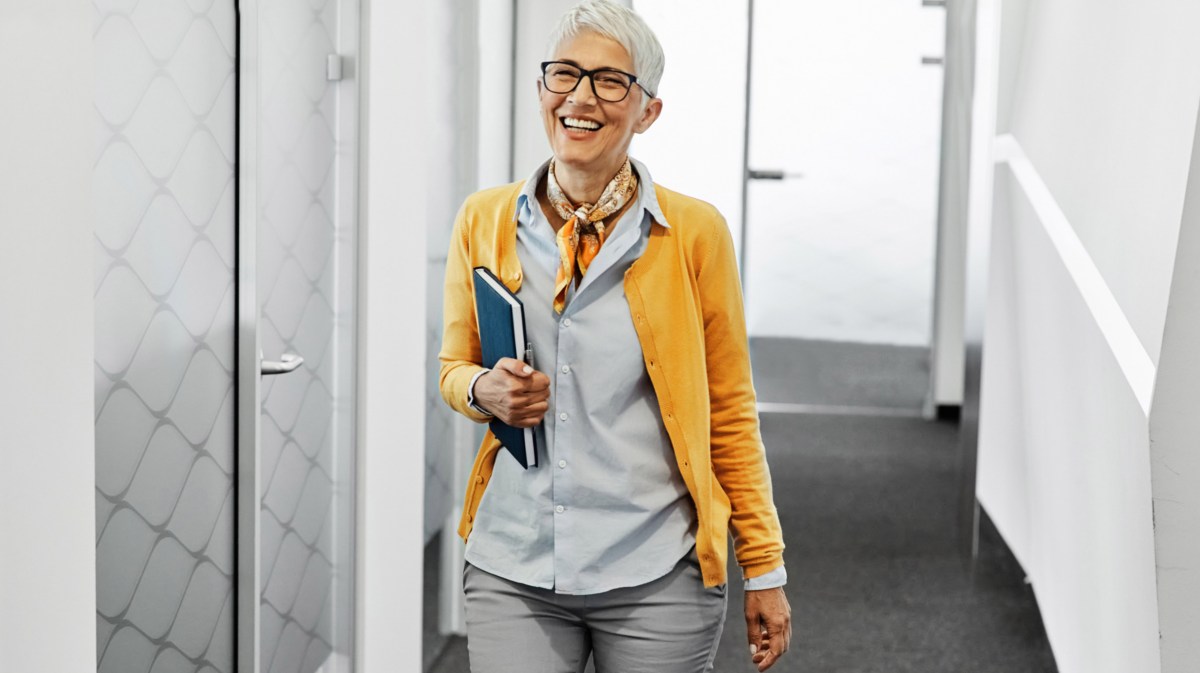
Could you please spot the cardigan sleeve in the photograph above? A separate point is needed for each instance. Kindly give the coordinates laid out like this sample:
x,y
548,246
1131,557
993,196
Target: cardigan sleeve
x,y
738,457
460,356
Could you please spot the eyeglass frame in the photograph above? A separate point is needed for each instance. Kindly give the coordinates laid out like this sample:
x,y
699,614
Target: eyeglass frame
x,y
584,72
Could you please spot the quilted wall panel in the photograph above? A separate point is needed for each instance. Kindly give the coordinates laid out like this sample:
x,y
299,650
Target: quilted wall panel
x,y
164,367
306,283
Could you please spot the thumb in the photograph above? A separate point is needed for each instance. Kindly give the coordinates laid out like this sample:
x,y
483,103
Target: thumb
x,y
514,367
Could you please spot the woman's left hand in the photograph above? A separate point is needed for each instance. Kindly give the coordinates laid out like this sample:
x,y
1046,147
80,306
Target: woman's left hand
x,y
768,626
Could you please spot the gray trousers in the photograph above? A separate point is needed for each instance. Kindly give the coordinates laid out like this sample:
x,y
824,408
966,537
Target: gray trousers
x,y
669,625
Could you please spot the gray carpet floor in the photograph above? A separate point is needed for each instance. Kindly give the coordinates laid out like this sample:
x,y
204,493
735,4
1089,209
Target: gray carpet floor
x,y
832,373
868,506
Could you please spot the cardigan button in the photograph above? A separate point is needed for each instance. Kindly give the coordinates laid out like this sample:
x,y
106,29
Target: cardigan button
x,y
516,276
479,479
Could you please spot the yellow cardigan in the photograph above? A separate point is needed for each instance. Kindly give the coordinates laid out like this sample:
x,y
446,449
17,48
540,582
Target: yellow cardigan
x,y
686,304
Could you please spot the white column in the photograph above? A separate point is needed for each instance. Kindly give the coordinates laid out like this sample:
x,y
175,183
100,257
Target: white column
x,y
394,194
495,98
47,434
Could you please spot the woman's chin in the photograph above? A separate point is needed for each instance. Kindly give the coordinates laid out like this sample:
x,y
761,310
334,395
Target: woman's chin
x,y
582,161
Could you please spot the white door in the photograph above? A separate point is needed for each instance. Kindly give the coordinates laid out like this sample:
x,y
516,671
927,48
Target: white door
x,y
842,247
225,192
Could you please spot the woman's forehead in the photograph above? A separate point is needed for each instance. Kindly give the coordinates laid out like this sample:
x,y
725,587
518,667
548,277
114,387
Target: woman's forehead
x,y
592,50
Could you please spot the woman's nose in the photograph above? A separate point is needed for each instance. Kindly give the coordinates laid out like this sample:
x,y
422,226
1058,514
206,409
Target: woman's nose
x,y
583,94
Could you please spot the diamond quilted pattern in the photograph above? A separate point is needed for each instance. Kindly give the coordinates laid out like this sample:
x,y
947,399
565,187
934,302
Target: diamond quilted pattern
x,y
165,252
161,476
200,610
284,580
221,119
124,68
201,66
128,652
196,513
221,648
292,645
315,500
287,204
123,189
304,311
160,589
122,431
161,245
316,242
220,549
287,483
291,293
161,126
172,661
312,425
161,24
200,397
123,550
200,178
161,360
202,285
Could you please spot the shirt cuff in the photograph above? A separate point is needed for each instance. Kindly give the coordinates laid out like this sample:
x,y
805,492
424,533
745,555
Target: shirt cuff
x,y
471,392
771,580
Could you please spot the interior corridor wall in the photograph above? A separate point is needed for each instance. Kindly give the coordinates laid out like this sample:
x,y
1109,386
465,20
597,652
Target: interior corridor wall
x,y
1097,110
47,454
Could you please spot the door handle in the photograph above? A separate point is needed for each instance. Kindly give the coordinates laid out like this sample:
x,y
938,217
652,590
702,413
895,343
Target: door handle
x,y
773,174
288,362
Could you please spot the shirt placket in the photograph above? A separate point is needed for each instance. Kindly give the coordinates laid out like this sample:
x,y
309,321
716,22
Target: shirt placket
x,y
566,406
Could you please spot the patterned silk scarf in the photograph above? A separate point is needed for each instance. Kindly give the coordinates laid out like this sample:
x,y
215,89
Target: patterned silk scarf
x,y
581,237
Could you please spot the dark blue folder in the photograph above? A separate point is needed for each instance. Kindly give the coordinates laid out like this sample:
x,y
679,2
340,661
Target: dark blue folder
x,y
502,335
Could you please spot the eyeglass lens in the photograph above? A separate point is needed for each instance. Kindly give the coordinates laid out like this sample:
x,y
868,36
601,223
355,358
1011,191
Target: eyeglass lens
x,y
608,85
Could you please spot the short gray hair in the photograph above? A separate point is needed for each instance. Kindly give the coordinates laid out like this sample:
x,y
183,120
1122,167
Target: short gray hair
x,y
616,22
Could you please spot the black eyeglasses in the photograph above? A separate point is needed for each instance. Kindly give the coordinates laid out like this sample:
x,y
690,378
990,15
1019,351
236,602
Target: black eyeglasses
x,y
609,84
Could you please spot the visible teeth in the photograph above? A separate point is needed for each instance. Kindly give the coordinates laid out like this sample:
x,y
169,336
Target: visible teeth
x,y
580,123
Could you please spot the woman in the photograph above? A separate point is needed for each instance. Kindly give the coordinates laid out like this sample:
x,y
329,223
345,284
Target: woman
x,y
614,545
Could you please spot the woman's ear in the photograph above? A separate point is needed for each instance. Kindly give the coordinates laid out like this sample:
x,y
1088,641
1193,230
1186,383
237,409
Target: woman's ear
x,y
649,115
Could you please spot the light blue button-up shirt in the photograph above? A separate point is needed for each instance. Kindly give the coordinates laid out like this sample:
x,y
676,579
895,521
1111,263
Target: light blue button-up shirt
x,y
606,507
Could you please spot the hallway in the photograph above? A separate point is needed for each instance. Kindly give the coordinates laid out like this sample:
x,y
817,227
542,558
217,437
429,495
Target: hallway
x,y
875,579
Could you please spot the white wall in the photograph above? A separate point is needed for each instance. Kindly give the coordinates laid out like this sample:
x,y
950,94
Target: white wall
x,y
696,146
47,453
1063,450
1076,444
1107,116
394,202
1174,429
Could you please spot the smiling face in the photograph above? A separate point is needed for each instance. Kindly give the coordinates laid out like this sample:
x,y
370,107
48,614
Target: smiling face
x,y
587,134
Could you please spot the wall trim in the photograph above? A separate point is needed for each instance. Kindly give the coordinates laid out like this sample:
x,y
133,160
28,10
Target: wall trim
x,y
1128,350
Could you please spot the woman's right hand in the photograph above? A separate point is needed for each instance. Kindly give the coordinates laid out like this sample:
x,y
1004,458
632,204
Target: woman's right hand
x,y
514,392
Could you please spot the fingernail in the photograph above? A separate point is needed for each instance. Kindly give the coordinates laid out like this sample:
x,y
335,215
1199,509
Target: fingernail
x,y
527,369
753,649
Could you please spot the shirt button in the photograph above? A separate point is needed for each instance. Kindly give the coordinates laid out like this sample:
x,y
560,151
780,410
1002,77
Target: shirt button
x,y
566,369
562,416
562,463
560,509
566,322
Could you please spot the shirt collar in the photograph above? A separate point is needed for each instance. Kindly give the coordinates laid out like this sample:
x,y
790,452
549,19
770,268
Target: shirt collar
x,y
647,196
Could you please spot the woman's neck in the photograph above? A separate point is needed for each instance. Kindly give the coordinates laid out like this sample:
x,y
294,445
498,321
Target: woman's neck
x,y
584,186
